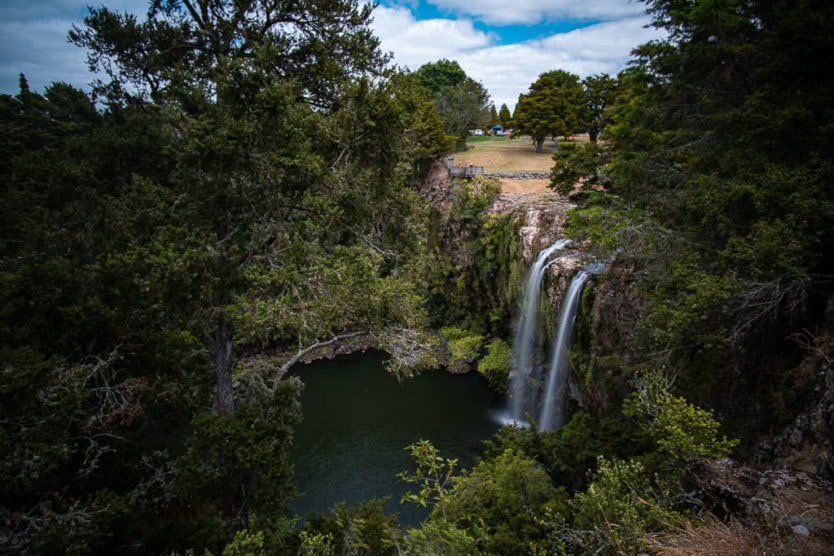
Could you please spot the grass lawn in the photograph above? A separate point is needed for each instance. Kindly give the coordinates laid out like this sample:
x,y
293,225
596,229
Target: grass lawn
x,y
502,154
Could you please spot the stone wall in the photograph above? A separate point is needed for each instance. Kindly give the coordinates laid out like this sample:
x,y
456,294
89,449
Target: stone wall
x,y
523,175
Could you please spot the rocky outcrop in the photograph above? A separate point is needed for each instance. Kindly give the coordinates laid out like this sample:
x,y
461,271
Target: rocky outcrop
x,y
782,497
807,442
542,215
523,175
604,331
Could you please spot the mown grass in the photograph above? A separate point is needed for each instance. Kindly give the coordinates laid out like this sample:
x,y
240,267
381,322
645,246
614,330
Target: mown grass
x,y
503,154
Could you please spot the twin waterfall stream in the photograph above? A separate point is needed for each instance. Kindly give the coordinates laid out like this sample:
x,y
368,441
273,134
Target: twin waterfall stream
x,y
527,349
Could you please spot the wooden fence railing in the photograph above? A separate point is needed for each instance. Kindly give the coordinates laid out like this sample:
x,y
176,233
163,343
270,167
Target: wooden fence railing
x,y
465,171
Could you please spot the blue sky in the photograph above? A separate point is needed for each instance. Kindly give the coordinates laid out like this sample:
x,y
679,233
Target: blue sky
x,y
503,44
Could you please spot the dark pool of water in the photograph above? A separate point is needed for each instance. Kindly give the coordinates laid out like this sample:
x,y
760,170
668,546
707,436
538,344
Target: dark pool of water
x,y
358,421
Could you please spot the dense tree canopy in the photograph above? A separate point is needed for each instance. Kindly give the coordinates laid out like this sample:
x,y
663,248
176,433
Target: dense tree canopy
x,y
504,116
553,106
242,188
600,91
723,133
461,102
183,47
241,152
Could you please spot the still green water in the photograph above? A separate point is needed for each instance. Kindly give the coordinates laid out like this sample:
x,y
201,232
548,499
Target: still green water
x,y
358,420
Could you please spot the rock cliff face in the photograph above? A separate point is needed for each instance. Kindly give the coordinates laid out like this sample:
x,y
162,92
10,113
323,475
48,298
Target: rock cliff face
x,y
604,331
609,309
604,323
542,215
808,443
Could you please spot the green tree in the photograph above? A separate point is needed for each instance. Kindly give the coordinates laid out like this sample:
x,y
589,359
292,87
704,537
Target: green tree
x,y
219,59
579,163
436,76
553,106
184,47
706,137
620,507
504,116
461,102
361,529
600,91
227,157
90,352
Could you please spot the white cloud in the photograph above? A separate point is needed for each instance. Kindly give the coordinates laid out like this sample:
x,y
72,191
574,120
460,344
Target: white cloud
x,y
526,12
508,70
416,42
35,43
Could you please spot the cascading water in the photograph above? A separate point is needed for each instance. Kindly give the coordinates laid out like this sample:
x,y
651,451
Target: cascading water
x,y
553,409
524,352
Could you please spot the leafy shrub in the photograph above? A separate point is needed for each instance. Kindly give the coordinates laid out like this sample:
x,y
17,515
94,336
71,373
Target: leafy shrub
x,y
501,502
578,161
361,529
439,537
619,508
464,347
496,364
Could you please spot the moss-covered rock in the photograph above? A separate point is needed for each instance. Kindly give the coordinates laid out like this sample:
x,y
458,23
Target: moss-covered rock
x,y
495,366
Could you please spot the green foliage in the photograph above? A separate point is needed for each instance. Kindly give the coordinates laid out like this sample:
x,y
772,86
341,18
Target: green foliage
x,y
553,106
504,116
570,453
437,537
464,347
577,163
609,224
230,172
246,544
476,271
320,544
461,103
324,294
433,475
360,529
685,434
493,116
500,502
600,92
713,134
241,457
496,364
438,75
619,508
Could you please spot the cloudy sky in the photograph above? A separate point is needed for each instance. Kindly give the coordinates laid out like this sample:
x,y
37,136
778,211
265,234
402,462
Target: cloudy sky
x,y
503,44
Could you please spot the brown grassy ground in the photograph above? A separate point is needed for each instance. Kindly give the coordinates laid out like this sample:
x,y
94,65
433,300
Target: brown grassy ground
x,y
518,187
506,155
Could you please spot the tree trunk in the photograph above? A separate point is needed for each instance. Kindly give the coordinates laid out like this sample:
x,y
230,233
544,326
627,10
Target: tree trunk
x,y
304,351
223,337
539,145
592,135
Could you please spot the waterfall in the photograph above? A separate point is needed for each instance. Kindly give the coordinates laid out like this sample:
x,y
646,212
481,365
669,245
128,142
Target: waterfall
x,y
524,351
553,409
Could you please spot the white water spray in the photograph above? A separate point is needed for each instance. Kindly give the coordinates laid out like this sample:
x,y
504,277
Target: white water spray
x,y
555,393
524,352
